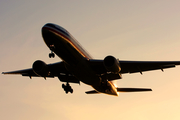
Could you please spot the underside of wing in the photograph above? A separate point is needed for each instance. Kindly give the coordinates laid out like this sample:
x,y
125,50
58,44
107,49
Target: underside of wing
x,y
24,72
52,70
133,66
49,70
141,66
40,69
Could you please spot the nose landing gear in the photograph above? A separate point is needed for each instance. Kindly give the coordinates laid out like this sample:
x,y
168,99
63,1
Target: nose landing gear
x,y
52,47
67,88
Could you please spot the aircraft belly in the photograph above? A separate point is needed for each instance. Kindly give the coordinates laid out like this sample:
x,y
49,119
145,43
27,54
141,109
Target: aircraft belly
x,y
84,73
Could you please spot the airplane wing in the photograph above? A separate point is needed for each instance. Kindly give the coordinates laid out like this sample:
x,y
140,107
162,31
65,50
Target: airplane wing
x,y
59,70
55,69
134,66
141,66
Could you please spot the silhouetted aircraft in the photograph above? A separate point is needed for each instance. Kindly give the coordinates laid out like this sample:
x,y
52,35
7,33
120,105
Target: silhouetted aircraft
x,y
77,65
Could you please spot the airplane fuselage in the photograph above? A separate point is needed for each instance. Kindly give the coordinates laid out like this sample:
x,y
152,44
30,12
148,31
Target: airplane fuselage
x,y
63,44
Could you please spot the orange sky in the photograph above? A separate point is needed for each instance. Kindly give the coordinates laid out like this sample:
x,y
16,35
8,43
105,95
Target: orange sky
x,y
128,30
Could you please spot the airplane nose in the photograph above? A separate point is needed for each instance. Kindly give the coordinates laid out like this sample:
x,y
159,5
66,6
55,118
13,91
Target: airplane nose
x,y
46,27
49,25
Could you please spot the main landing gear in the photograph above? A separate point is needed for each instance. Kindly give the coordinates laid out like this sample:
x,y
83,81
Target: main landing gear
x,y
67,88
51,55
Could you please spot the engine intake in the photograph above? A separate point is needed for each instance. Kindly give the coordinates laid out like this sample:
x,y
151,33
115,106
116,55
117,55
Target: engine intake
x,y
40,68
112,64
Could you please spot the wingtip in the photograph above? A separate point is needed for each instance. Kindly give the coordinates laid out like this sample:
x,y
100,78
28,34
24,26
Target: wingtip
x,y
149,89
4,73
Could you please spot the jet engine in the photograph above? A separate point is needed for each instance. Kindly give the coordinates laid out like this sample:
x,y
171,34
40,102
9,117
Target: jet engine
x,y
112,64
40,68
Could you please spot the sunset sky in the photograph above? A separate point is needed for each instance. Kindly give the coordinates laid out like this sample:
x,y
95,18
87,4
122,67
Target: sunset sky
x,y
143,30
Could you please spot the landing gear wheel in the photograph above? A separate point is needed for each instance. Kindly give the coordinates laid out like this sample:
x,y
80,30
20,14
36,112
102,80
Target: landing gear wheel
x,y
63,86
51,55
71,90
66,92
67,88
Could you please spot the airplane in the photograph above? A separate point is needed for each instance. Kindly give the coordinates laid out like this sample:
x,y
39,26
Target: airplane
x,y
78,66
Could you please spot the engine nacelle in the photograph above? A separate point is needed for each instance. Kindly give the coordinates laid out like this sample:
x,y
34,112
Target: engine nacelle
x,y
112,64
40,68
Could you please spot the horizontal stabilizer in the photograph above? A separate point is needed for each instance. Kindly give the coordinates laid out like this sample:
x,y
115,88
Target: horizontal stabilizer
x,y
133,89
92,92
